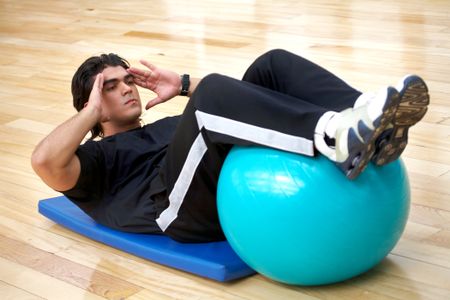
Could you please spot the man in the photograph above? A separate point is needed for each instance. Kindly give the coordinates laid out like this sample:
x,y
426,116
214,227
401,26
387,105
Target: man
x,y
161,178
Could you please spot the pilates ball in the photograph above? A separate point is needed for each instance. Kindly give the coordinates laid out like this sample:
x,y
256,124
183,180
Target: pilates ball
x,y
299,220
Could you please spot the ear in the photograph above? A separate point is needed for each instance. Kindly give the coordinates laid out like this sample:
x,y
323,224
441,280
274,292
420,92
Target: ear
x,y
85,104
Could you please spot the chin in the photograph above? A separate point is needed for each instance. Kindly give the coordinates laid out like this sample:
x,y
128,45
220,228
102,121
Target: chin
x,y
135,113
128,120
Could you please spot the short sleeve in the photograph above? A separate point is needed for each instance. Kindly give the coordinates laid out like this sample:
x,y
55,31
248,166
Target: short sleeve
x,y
89,185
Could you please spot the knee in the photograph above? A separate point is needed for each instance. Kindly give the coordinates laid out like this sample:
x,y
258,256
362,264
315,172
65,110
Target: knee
x,y
270,60
212,78
275,53
212,82
214,92
273,56
212,85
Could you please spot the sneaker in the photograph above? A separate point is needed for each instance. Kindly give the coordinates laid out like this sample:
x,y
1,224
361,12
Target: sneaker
x,y
413,105
357,131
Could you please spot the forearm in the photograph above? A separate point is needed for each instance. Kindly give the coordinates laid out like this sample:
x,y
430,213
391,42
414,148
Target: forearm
x,y
55,152
193,85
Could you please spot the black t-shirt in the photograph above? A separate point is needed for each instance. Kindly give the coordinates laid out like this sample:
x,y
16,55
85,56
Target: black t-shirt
x,y
119,176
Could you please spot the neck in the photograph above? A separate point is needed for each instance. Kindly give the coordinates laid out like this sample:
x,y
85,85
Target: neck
x,y
110,129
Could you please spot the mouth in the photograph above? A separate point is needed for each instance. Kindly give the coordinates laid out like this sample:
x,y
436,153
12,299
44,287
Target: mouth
x,y
130,101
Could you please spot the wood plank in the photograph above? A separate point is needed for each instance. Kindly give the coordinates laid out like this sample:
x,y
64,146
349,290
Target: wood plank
x,y
186,39
39,284
430,216
9,292
423,251
65,270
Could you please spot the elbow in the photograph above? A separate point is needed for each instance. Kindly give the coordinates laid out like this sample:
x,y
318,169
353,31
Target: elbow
x,y
56,177
42,166
38,161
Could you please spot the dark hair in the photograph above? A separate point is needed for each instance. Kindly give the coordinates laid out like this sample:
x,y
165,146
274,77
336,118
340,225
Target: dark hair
x,y
84,78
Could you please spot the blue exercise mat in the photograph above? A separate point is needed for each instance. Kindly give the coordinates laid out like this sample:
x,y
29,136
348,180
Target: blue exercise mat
x,y
212,260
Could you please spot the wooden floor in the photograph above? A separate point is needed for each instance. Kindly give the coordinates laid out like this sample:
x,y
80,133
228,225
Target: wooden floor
x,y
368,43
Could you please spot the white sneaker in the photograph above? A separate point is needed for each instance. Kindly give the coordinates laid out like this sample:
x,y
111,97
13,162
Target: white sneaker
x,y
357,131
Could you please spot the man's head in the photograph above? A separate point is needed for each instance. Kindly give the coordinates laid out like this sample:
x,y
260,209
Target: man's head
x,y
121,101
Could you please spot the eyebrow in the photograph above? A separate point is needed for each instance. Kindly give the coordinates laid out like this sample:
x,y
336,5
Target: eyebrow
x,y
114,80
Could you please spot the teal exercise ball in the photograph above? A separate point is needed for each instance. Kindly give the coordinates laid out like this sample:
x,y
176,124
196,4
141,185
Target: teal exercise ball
x,y
299,220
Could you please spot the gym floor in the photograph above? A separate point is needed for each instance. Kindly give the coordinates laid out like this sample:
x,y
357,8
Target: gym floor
x,y
368,43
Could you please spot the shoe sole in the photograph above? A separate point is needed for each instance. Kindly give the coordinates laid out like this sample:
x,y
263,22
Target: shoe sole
x,y
361,152
413,105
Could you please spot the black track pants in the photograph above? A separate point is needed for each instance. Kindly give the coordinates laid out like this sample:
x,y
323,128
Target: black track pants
x,y
277,104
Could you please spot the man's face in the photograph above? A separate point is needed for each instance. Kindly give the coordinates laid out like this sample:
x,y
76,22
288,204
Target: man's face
x,y
121,101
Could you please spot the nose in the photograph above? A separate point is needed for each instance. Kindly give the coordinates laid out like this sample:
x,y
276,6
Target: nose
x,y
125,88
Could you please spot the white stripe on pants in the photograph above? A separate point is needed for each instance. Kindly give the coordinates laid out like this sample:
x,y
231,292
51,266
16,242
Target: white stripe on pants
x,y
255,134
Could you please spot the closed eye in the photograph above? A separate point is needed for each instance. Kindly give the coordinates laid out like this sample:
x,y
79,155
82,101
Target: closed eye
x,y
111,84
110,87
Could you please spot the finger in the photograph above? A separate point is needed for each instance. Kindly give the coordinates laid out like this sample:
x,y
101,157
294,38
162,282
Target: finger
x,y
136,71
100,79
143,83
146,83
96,80
137,79
140,82
153,102
141,74
148,65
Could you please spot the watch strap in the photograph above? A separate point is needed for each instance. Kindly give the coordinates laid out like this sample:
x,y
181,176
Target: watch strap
x,y
185,82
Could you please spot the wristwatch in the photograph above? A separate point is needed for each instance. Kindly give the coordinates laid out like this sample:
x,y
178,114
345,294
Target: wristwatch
x,y
185,82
